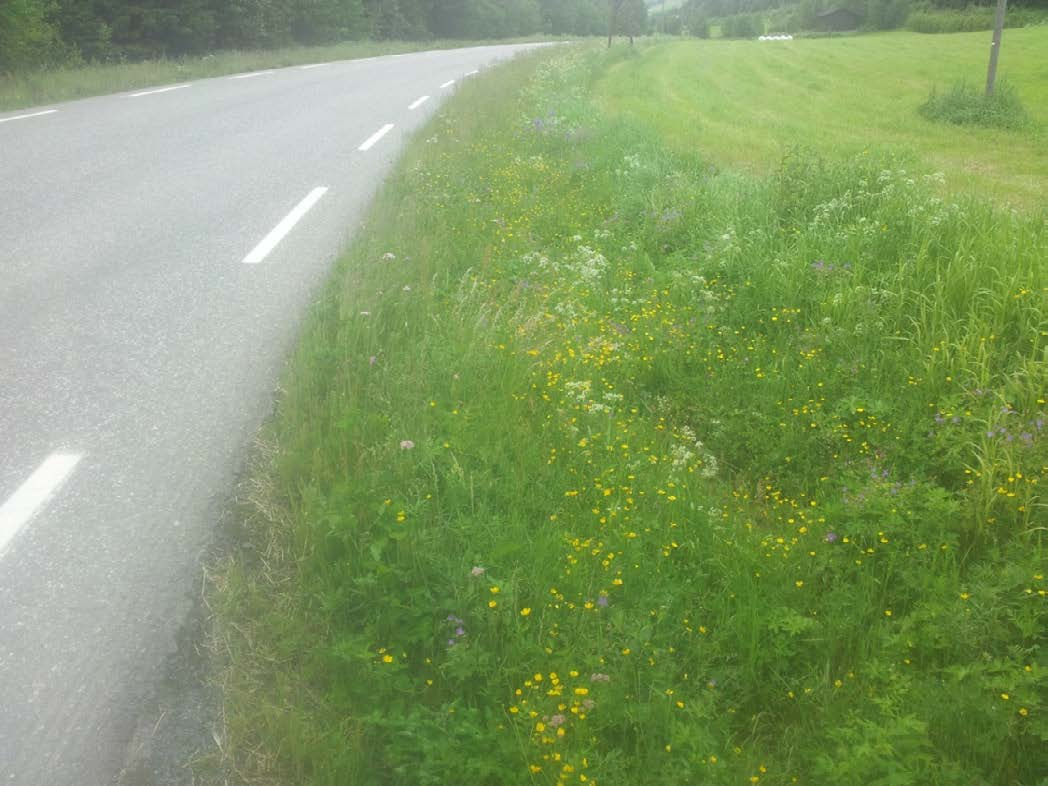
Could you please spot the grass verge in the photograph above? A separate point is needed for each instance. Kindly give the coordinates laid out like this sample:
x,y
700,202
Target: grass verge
x,y
18,91
598,465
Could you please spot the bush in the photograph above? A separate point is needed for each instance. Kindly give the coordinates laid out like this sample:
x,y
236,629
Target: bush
x,y
742,26
969,20
965,105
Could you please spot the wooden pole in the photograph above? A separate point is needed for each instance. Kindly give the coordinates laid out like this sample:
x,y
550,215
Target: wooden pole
x,y
995,47
611,20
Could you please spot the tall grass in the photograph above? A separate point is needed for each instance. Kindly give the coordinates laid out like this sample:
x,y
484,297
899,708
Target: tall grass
x,y
599,465
963,104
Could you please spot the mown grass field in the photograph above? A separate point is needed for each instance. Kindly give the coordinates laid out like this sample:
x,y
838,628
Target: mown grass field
x,y
601,464
742,104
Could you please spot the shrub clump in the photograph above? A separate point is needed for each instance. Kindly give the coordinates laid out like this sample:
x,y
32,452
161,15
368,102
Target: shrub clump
x,y
969,20
963,104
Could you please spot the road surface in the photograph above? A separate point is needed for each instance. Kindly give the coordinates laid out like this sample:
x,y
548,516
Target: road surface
x,y
158,249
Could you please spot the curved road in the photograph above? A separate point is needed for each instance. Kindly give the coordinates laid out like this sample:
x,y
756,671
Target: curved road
x,y
157,250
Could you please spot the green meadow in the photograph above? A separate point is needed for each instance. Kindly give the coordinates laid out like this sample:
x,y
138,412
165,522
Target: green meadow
x,y
743,103
692,446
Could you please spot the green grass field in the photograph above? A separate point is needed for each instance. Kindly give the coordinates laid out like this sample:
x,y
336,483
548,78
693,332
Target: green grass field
x,y
600,465
743,103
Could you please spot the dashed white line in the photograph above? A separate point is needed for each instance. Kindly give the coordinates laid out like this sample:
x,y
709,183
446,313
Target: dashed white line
x,y
32,114
157,90
449,83
419,102
253,74
473,72
371,140
270,241
34,494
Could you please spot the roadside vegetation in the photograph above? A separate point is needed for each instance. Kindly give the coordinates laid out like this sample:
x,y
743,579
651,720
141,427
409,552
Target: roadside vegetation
x,y
604,461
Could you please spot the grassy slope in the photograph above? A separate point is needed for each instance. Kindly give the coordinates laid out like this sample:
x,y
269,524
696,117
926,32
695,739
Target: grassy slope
x,y
752,466
64,84
743,102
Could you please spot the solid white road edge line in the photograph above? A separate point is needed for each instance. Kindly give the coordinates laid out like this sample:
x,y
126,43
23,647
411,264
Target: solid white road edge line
x,y
23,117
371,140
449,83
313,65
158,90
270,241
471,73
416,104
253,73
34,494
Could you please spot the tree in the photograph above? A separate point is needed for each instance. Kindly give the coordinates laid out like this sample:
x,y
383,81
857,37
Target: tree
x,y
27,38
632,18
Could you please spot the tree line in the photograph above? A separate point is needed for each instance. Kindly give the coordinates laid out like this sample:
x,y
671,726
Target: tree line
x,y
36,33
750,18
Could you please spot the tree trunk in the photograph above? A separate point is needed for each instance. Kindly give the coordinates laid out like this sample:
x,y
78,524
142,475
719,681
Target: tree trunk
x,y
995,47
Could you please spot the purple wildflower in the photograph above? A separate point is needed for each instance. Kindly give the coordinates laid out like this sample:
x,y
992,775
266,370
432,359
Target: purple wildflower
x,y
831,537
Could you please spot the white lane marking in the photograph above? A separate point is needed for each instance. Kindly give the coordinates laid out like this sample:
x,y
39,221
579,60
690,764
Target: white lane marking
x,y
33,114
471,73
313,65
371,140
34,494
253,74
419,102
158,90
270,241
449,83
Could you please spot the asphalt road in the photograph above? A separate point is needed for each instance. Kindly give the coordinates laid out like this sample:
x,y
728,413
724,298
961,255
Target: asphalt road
x,y
157,252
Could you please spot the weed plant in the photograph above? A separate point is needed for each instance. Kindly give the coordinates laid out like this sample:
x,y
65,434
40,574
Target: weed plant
x,y
599,465
965,105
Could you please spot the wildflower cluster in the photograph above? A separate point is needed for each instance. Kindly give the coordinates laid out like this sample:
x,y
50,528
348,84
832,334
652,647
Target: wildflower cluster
x,y
709,480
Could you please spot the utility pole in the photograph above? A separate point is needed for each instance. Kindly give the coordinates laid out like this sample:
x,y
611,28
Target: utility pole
x,y
995,47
